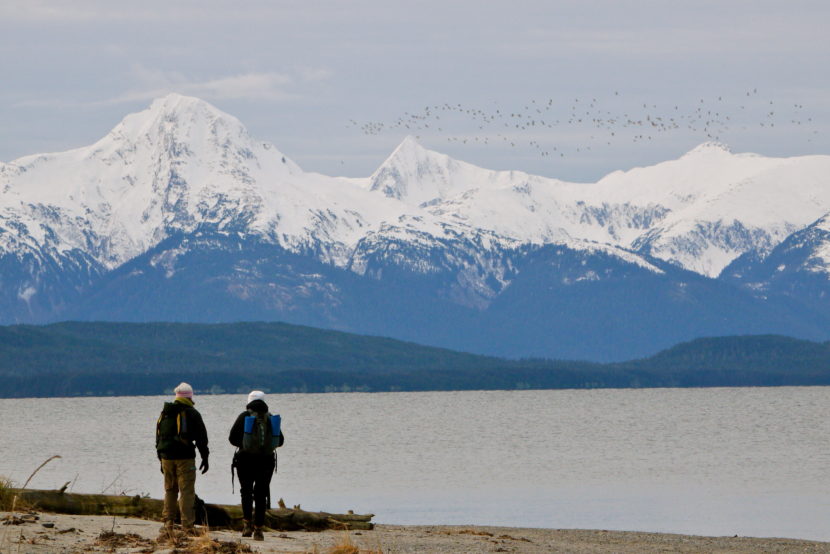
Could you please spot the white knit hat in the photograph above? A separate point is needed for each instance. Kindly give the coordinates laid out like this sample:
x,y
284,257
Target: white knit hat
x,y
256,395
183,391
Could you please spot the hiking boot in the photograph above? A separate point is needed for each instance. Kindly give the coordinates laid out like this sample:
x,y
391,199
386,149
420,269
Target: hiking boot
x,y
258,534
247,529
191,532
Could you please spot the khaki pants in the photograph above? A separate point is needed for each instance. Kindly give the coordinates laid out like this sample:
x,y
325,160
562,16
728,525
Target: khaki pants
x,y
179,484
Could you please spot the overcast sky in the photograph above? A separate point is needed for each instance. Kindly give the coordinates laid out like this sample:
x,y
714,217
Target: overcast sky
x,y
315,77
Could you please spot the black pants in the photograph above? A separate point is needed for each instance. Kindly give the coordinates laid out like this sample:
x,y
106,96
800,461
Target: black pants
x,y
255,473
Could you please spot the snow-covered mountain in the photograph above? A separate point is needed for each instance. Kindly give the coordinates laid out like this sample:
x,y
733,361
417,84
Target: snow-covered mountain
x,y
797,269
178,202
177,166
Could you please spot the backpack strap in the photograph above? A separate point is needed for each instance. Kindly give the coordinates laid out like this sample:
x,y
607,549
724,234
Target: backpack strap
x,y
234,465
181,421
181,426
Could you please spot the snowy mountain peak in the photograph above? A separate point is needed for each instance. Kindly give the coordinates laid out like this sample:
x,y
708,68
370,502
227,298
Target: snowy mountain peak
x,y
418,176
823,223
412,173
709,148
181,119
185,108
179,102
174,166
410,145
410,155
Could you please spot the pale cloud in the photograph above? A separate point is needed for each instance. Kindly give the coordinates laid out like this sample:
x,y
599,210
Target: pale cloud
x,y
312,74
247,86
150,83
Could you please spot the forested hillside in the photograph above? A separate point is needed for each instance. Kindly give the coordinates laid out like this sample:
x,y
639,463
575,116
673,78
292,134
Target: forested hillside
x,y
71,359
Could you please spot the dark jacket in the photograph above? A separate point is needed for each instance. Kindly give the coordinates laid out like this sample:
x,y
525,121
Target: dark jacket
x,y
238,429
195,432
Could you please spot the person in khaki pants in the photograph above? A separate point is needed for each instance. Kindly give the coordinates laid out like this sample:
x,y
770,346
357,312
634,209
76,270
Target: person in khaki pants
x,y
179,426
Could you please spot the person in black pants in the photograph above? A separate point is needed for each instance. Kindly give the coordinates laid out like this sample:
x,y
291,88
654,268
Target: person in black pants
x,y
254,468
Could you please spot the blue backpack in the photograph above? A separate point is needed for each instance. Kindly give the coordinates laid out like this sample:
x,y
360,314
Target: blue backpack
x,y
262,433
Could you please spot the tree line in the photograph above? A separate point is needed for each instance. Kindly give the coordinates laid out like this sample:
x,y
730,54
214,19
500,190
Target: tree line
x,y
95,359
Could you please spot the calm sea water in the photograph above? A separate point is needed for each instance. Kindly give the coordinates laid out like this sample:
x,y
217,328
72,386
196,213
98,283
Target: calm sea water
x,y
752,461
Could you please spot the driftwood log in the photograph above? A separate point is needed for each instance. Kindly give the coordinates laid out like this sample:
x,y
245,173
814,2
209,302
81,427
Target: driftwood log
x,y
216,516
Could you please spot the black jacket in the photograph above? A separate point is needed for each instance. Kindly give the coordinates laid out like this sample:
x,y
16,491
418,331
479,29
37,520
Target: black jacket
x,y
195,433
238,429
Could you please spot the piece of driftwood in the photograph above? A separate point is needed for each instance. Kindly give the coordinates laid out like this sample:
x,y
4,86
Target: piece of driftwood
x,y
216,516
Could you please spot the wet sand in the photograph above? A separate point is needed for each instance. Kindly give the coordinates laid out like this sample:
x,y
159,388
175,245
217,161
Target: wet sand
x,y
60,533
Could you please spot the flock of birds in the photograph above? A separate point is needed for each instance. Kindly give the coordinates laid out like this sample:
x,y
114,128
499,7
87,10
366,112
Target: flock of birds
x,y
554,128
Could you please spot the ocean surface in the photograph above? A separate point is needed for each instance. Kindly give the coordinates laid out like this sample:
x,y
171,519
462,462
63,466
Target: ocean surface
x,y
736,461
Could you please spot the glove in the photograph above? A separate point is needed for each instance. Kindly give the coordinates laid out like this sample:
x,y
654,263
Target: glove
x,y
204,465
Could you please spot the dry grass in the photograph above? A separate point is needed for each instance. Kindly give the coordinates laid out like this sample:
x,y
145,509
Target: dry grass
x,y
200,544
15,499
204,544
9,499
468,532
5,539
113,540
346,546
26,484
6,495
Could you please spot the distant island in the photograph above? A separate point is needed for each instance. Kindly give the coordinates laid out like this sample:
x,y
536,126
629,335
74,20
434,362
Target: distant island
x,y
101,359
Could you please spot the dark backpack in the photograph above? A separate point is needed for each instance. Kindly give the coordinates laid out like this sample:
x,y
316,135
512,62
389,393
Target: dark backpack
x,y
257,437
171,429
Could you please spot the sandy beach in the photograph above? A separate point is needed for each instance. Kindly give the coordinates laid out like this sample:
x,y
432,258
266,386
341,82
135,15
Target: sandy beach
x,y
59,533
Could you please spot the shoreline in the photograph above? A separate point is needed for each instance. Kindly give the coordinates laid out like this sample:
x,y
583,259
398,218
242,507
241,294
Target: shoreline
x,y
71,534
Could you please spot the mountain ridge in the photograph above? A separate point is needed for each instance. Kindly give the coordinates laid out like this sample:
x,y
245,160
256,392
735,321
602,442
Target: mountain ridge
x,y
224,146
184,181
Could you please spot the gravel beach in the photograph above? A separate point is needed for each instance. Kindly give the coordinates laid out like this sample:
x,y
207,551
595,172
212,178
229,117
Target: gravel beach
x,y
59,533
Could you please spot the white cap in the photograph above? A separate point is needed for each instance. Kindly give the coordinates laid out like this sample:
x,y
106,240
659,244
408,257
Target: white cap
x,y
256,395
183,391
